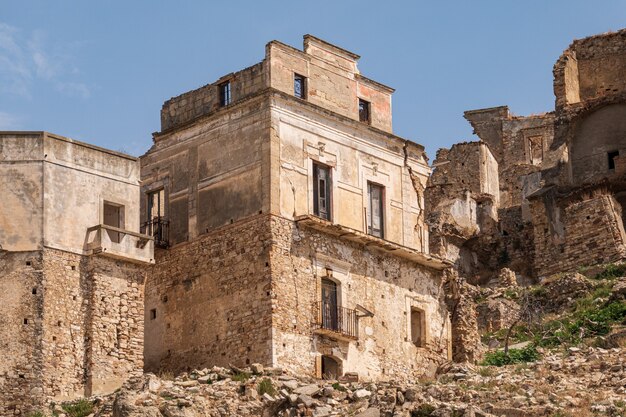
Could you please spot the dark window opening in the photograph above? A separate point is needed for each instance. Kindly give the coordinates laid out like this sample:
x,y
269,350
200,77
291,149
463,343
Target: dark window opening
x,y
375,218
156,224
153,314
330,316
611,156
417,327
364,111
25,321
225,97
321,191
535,150
299,86
114,216
34,291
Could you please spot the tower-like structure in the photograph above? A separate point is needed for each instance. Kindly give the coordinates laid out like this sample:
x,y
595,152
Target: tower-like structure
x,y
291,227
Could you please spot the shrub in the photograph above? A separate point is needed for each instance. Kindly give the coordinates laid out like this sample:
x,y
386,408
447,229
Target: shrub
x,y
499,358
338,387
241,377
424,410
80,408
266,387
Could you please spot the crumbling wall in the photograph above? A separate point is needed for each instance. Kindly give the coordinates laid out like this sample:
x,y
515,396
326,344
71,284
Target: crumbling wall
x,y
185,108
381,283
209,302
584,228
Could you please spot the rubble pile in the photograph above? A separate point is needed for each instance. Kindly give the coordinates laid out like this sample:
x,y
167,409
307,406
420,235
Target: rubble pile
x,y
586,380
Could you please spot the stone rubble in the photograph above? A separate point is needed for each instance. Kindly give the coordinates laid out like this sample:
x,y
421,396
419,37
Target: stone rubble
x,y
576,381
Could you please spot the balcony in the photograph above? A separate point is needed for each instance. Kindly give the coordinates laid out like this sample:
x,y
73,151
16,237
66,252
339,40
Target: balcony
x,y
335,321
119,244
159,229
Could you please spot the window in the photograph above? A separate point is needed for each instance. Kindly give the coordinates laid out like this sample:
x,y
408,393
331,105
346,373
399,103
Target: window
x,y
611,156
364,111
330,316
156,205
225,97
299,86
114,217
153,314
417,327
535,149
375,223
321,191
156,224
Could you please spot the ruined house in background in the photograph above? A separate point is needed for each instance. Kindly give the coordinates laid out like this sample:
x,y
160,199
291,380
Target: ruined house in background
x,y
291,226
551,188
72,268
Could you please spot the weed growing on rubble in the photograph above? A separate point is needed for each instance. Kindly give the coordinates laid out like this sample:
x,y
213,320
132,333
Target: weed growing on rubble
x,y
266,387
500,358
80,408
36,414
241,377
612,271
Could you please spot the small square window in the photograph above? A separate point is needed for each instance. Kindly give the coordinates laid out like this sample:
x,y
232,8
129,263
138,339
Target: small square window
x,y
299,86
364,111
611,157
153,314
225,97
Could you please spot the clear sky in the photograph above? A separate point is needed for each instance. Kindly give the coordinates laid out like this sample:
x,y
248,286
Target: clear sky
x,y
99,71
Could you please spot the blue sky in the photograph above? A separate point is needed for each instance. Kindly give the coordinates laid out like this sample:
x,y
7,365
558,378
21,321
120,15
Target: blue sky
x,y
100,71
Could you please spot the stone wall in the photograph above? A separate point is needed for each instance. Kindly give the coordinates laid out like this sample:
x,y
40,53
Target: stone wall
x,y
209,301
21,305
582,229
381,283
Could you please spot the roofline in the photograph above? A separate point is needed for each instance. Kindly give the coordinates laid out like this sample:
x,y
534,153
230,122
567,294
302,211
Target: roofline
x,y
68,140
336,48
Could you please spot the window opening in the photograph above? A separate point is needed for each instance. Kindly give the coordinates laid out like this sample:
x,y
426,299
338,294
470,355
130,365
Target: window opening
x,y
299,86
364,111
375,222
417,327
535,149
114,217
330,318
156,224
611,156
321,191
225,97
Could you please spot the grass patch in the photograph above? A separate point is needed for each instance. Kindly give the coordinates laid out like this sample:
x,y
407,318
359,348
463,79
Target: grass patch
x,y
612,271
266,387
241,377
80,408
338,387
485,371
36,414
424,410
527,354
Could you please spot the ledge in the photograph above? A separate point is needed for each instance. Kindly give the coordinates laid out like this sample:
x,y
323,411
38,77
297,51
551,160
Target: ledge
x,y
120,244
353,235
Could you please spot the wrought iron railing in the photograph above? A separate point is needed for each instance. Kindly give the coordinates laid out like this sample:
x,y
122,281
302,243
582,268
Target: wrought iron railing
x,y
336,319
159,229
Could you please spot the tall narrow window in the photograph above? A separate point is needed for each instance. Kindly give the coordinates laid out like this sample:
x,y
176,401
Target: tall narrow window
x,y
114,217
156,224
535,149
375,217
299,86
225,98
321,191
330,318
611,156
417,327
364,111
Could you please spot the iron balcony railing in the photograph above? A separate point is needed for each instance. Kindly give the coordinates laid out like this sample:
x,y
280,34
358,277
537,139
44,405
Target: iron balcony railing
x,y
334,319
159,229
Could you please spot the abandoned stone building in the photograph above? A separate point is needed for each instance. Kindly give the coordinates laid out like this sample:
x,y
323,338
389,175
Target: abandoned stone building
x,y
551,187
72,270
290,226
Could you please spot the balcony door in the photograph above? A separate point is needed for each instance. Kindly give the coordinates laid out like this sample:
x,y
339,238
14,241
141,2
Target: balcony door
x,y
330,319
112,216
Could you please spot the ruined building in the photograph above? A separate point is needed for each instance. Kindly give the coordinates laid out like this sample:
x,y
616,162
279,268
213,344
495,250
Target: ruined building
x,y
72,269
290,226
550,189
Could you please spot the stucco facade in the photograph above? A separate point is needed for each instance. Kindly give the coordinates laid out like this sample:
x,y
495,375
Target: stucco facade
x,y
281,181
71,305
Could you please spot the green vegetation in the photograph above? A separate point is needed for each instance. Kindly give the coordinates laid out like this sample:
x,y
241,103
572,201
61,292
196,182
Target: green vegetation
x,y
485,371
80,408
338,387
424,410
266,387
241,377
36,414
612,271
499,358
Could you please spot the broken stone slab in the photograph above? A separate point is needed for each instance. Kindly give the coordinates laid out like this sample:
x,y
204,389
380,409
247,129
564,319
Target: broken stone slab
x,y
306,400
361,393
370,412
309,390
322,411
256,368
